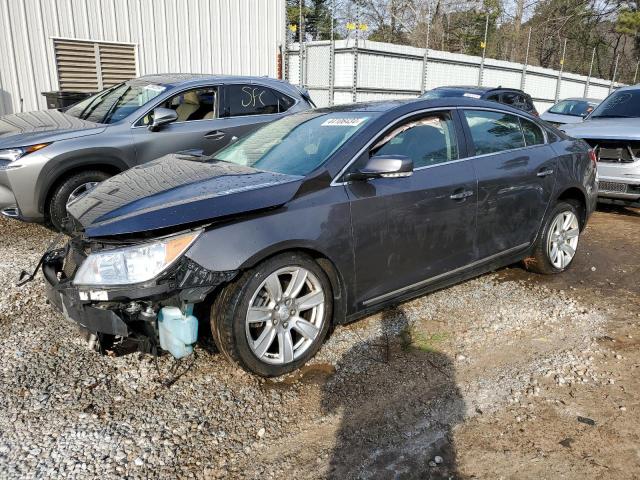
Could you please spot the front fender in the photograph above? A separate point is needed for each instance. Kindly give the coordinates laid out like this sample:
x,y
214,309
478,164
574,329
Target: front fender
x,y
318,222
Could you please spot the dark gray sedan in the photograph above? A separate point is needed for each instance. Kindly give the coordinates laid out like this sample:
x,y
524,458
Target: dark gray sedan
x,y
318,219
48,158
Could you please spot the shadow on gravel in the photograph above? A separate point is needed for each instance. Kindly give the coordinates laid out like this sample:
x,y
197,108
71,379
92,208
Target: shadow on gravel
x,y
399,402
618,210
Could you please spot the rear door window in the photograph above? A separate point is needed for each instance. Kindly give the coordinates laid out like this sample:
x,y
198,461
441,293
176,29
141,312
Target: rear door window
x,y
493,132
245,100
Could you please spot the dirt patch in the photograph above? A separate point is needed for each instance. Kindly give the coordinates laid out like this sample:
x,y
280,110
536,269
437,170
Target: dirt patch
x,y
511,375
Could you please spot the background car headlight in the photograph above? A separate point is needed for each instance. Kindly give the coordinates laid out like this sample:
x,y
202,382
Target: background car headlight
x,y
13,154
135,264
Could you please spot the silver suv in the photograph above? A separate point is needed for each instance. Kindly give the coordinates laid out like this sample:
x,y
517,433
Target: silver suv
x,y
613,131
48,158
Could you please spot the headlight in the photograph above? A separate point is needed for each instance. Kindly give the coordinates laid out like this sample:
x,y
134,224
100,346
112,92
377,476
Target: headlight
x,y
135,264
13,154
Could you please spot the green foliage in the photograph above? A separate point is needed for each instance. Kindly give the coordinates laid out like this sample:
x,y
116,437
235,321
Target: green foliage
x,y
316,18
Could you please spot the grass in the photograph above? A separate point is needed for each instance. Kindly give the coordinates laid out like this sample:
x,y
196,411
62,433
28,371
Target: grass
x,y
411,338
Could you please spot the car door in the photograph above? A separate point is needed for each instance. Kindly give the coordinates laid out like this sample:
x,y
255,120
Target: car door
x,y
248,106
409,231
195,129
515,169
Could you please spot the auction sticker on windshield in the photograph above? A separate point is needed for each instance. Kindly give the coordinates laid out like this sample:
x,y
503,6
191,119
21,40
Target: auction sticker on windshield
x,y
471,95
343,122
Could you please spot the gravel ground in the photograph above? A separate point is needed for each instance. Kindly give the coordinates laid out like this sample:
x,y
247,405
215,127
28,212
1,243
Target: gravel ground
x,y
426,390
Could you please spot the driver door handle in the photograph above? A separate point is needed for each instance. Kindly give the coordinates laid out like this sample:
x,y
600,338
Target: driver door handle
x,y
544,173
461,195
215,135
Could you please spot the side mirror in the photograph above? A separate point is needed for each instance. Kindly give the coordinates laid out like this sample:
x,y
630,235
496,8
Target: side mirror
x,y
162,116
384,166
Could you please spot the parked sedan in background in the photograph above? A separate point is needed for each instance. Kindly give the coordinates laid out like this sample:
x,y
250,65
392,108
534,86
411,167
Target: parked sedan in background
x,y
48,158
512,97
613,131
318,219
570,110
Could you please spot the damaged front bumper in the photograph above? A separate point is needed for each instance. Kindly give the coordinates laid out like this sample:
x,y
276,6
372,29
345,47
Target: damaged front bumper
x,y
129,310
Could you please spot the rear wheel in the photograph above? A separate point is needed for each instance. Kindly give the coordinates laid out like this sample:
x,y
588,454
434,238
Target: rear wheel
x,y
557,244
70,189
274,318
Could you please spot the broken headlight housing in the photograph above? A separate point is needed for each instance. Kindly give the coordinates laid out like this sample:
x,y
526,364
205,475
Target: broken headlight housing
x,y
134,264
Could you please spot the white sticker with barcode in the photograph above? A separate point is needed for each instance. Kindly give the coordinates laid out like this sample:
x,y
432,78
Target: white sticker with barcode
x,y
471,95
343,122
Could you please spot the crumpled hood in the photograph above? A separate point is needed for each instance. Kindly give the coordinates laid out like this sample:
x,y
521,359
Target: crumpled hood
x,y
605,128
30,128
177,190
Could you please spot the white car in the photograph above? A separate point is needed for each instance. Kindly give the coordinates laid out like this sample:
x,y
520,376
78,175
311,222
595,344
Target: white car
x,y
569,110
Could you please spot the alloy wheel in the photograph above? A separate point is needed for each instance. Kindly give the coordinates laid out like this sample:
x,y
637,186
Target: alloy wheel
x,y
81,190
285,315
563,239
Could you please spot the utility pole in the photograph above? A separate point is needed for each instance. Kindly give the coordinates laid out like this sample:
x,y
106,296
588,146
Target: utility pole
x,y
558,84
526,61
615,72
484,51
586,85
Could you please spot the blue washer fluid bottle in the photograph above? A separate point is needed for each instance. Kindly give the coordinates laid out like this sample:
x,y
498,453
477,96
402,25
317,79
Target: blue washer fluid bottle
x,y
178,331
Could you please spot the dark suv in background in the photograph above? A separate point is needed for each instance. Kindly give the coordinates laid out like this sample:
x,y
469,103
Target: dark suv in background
x,y
49,158
508,96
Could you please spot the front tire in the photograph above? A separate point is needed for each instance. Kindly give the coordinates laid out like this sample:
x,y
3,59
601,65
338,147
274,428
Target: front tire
x,y
556,246
274,317
70,188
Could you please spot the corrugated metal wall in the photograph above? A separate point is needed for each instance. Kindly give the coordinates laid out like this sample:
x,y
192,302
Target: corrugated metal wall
x,y
395,71
240,37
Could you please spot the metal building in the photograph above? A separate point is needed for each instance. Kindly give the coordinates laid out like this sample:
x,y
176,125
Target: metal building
x,y
87,45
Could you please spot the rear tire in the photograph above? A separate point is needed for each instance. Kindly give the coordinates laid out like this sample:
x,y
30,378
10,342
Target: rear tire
x,y
557,243
63,192
287,321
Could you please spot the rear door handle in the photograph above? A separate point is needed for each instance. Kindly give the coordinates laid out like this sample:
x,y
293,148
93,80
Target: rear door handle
x,y
461,195
215,135
544,173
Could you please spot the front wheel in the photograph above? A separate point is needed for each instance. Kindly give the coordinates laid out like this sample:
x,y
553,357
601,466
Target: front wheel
x,y
557,244
71,188
274,317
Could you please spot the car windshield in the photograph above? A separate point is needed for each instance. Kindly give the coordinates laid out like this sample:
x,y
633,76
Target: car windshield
x,y
575,108
295,145
449,92
620,104
115,103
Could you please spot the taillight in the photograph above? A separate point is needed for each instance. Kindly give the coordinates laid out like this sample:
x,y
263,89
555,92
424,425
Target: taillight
x,y
593,157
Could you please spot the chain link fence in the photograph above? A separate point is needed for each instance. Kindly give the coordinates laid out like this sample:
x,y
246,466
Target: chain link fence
x,y
357,69
379,71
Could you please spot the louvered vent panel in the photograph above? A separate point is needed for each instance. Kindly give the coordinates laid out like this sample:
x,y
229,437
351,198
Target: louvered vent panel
x,y
117,63
79,72
76,62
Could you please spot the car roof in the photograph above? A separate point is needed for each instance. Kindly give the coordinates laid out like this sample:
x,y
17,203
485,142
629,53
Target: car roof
x,y
477,89
584,99
418,104
184,79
